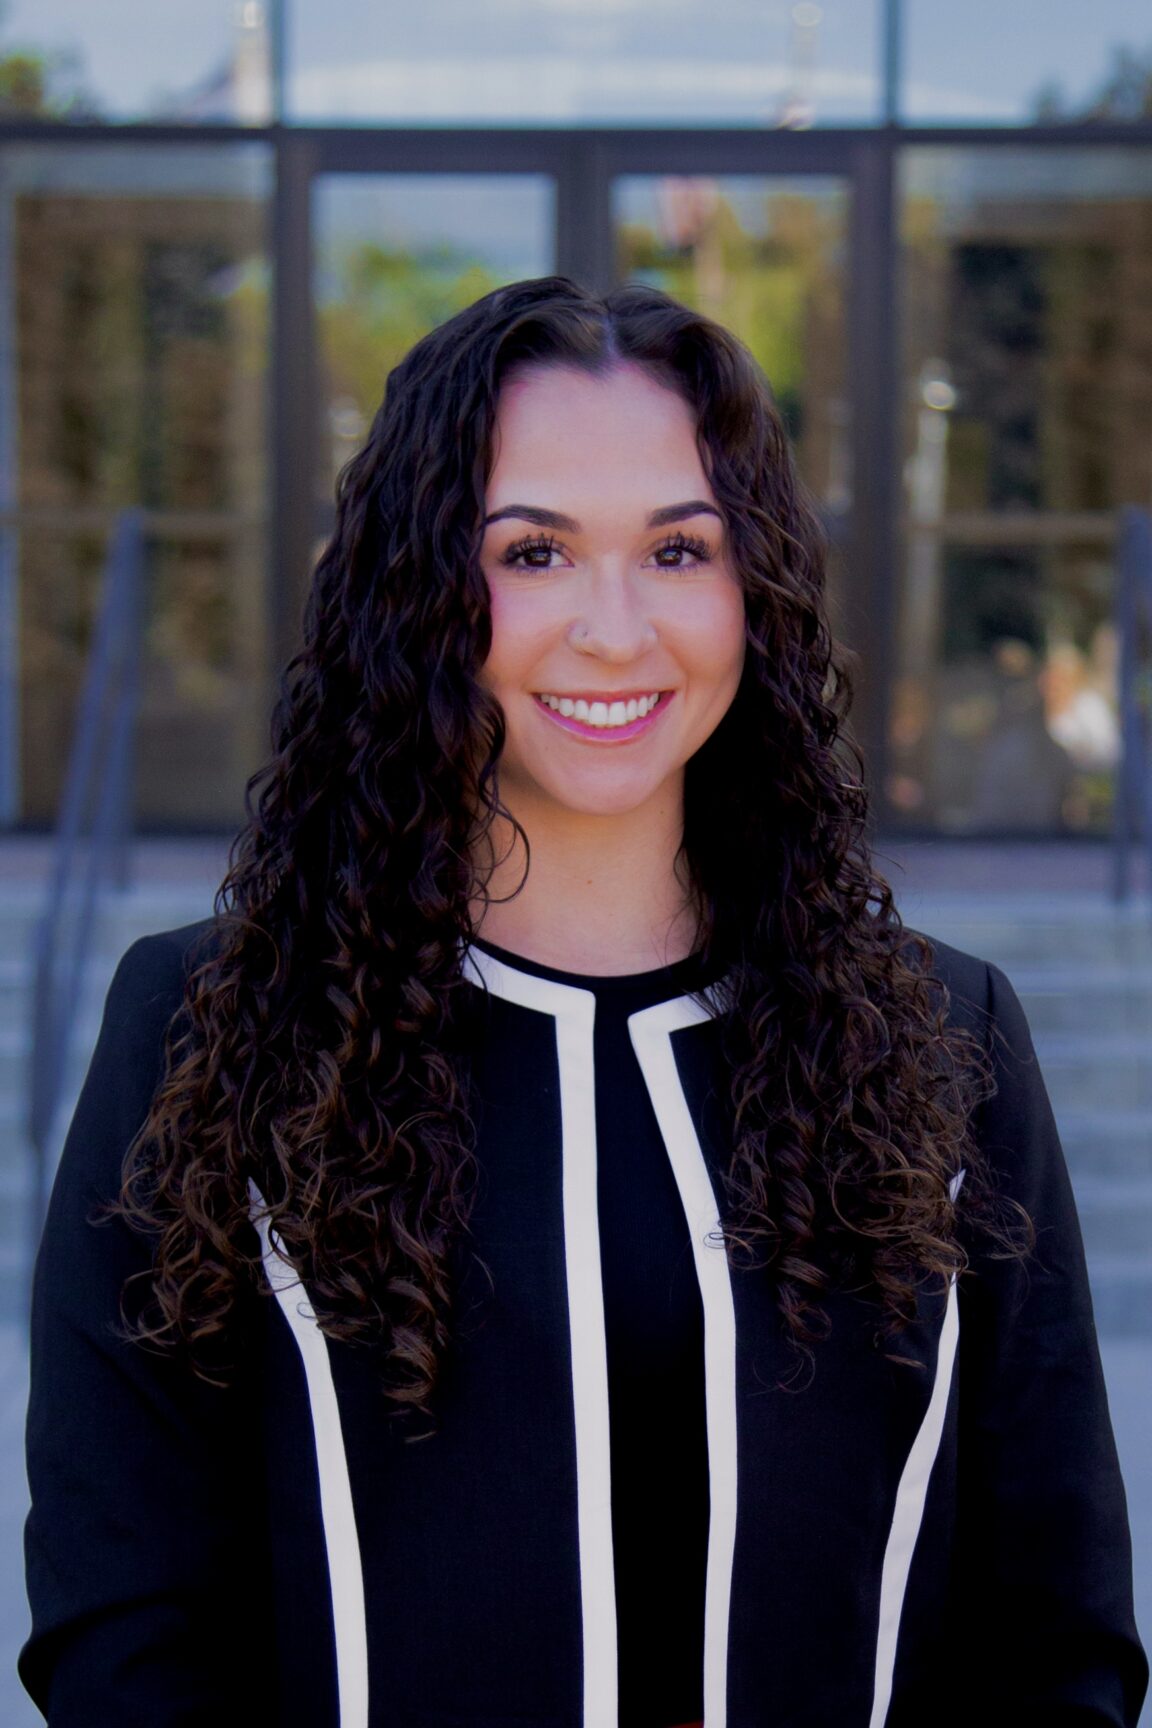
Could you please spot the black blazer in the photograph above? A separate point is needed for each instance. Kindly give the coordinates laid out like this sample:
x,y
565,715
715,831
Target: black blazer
x,y
887,1546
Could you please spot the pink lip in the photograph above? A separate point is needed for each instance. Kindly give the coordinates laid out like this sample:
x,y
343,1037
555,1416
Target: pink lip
x,y
608,734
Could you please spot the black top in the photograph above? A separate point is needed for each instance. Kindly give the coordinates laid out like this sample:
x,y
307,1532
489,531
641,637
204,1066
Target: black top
x,y
939,1539
654,1328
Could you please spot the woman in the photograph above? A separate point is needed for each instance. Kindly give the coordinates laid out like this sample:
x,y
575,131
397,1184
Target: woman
x,y
585,1261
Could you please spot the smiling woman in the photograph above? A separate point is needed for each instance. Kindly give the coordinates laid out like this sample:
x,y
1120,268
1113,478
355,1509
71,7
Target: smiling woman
x,y
555,1067
616,650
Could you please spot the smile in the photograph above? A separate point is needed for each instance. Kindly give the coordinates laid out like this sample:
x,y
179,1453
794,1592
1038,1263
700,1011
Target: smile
x,y
605,721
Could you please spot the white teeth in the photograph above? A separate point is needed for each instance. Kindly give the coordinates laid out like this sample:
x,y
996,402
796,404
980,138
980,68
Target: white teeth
x,y
602,714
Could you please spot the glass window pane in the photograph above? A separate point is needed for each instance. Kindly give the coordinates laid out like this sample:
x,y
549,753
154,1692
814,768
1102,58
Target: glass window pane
x,y
525,62
395,255
1004,714
116,60
766,257
135,289
1028,379
1025,302
1002,64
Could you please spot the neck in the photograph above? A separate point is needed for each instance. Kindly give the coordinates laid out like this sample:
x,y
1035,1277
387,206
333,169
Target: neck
x,y
602,894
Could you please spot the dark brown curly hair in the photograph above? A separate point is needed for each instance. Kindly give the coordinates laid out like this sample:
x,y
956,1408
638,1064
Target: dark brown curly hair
x,y
321,1047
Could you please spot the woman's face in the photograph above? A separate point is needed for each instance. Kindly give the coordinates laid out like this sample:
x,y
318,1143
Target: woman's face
x,y
605,557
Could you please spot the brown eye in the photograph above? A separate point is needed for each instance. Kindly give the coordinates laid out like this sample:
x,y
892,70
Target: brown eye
x,y
680,542
530,544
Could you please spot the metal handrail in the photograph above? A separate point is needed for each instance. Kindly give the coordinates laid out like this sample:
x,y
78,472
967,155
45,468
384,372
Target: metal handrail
x,y
1133,804
101,774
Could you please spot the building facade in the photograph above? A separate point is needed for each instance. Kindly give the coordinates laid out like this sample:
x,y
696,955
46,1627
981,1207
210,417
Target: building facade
x,y
202,293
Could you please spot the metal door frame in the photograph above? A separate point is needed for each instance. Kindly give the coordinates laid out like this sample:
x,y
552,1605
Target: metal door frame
x,y
584,162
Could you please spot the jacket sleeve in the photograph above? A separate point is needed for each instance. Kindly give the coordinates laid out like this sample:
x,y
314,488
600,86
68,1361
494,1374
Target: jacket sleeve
x,y
143,1547
1045,1629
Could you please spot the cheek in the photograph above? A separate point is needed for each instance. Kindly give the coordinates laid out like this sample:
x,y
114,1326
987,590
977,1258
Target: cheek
x,y
516,628
712,632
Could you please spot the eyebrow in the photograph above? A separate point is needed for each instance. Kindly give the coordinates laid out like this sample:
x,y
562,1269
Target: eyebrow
x,y
569,525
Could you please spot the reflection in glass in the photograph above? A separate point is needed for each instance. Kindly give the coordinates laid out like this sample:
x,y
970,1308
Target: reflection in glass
x,y
1004,65
585,62
1011,725
766,257
136,293
184,60
397,254
1027,374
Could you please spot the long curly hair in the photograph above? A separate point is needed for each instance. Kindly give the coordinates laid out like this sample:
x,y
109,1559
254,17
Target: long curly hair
x,y
321,1045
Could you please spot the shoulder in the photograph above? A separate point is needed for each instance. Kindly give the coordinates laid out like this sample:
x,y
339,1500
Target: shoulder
x,y
966,978
143,999
1015,1125
983,999
166,955
151,973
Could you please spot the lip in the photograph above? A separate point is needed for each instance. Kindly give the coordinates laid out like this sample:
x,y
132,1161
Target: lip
x,y
608,734
606,695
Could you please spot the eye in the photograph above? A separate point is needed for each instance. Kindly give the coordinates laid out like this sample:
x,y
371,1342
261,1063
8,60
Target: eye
x,y
537,549
681,542
530,544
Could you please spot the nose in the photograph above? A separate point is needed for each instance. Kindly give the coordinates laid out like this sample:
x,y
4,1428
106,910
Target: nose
x,y
613,622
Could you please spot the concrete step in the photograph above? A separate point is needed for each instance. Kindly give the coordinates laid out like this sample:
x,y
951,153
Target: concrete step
x,y
1098,997
1107,1142
1057,946
1115,1215
1121,1295
115,926
1081,966
1095,1070
16,1039
1061,930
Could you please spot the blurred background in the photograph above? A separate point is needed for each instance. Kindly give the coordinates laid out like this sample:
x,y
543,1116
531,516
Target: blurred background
x,y
223,221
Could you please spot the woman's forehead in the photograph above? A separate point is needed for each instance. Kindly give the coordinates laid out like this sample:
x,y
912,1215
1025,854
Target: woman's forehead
x,y
624,435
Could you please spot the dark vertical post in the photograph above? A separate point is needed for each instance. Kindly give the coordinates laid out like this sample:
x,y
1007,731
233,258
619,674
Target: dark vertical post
x,y
277,57
890,83
1132,610
585,243
876,395
292,395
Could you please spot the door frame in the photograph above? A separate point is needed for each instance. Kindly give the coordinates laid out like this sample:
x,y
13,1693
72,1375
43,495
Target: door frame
x,y
584,162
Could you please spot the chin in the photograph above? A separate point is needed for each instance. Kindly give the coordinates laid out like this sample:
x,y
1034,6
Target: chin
x,y
602,803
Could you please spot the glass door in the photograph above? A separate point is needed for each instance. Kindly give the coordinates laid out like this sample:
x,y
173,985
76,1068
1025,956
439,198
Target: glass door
x,y
765,255
393,256
134,281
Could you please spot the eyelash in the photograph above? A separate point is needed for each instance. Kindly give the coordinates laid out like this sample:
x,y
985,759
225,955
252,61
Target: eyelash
x,y
678,542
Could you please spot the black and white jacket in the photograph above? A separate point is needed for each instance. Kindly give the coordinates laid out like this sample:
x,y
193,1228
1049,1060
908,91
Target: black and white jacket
x,y
886,1546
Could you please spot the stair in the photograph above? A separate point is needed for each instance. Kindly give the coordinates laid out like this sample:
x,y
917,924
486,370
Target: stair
x,y
153,906
1082,968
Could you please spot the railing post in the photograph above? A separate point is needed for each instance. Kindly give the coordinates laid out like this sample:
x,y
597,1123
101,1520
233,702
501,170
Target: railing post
x,y
1132,814
99,777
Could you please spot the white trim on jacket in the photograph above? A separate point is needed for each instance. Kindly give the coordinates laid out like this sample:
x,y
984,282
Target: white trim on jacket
x,y
573,1010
